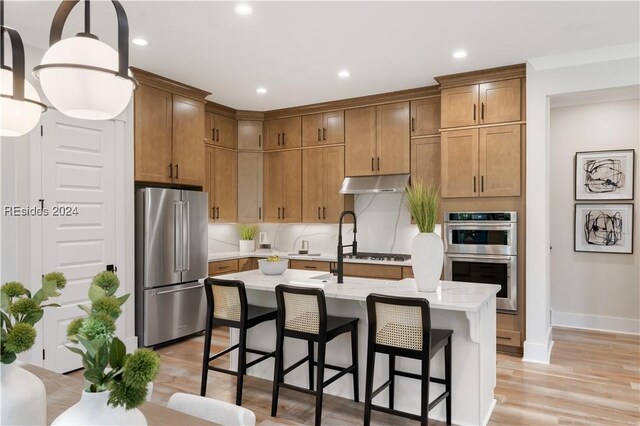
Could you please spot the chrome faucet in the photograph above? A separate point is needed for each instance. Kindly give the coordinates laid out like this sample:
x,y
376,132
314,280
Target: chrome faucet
x,y
354,247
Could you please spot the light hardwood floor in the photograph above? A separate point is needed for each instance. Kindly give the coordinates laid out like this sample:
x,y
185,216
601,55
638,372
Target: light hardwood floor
x,y
593,378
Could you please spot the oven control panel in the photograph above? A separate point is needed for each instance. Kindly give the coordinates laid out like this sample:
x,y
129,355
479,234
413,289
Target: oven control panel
x,y
480,217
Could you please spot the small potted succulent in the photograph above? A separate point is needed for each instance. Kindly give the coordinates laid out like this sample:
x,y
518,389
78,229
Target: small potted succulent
x,y
115,381
23,394
247,237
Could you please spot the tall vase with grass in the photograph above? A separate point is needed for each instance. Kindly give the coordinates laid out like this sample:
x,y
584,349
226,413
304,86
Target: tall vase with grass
x,y
427,249
247,237
22,394
116,382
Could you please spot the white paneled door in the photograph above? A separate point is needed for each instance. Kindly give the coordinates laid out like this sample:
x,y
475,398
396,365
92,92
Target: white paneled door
x,y
79,236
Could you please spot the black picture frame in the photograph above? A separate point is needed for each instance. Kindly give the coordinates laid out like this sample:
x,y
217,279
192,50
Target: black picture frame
x,y
579,232
605,195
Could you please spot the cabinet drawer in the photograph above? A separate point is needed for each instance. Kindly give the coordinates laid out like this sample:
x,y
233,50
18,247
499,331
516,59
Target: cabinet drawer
x,y
223,267
373,271
508,337
407,272
247,264
310,265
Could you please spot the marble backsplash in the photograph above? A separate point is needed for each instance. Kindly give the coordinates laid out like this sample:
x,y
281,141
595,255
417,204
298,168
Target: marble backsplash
x,y
384,225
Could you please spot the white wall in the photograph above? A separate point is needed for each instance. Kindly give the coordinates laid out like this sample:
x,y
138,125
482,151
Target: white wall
x,y
591,290
584,71
384,225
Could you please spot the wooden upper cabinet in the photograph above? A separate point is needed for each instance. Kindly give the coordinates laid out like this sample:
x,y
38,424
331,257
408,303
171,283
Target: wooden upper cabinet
x,y
188,146
284,133
320,129
459,106
312,185
360,141
249,135
393,138
334,202
283,186
225,185
425,117
250,166
500,101
224,131
459,163
153,143
425,160
499,157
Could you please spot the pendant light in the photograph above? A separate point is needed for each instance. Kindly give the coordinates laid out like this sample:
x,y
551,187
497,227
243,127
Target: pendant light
x,y
83,77
19,102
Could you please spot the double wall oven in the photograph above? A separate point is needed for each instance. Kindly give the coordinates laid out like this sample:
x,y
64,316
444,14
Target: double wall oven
x,y
481,247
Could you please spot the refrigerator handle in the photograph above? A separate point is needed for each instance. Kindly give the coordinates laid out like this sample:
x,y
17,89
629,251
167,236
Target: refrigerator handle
x,y
177,236
186,238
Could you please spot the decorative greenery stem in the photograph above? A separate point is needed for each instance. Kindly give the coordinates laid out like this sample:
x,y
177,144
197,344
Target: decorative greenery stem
x,y
423,201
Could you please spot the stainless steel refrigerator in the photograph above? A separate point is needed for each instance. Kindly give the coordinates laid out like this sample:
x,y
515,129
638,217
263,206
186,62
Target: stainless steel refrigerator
x,y
171,256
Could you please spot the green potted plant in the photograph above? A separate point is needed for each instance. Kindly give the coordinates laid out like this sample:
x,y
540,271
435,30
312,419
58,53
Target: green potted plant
x,y
115,381
427,249
23,394
247,237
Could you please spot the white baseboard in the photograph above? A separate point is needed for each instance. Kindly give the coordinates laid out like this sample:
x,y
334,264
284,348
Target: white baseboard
x,y
595,322
540,353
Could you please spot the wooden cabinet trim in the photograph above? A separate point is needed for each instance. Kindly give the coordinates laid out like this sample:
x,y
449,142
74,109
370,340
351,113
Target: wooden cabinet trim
x,y
482,76
163,83
221,267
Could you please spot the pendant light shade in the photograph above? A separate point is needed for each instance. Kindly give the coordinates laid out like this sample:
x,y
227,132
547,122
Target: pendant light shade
x,y
19,102
83,77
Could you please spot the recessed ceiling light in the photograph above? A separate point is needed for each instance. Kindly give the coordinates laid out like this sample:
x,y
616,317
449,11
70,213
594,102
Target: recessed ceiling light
x,y
139,41
261,90
343,74
459,54
244,9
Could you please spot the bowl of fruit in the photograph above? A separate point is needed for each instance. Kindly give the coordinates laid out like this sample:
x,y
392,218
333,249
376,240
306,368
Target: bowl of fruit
x,y
273,265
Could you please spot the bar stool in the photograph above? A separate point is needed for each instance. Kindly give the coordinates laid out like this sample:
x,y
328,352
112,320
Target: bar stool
x,y
401,326
302,314
227,305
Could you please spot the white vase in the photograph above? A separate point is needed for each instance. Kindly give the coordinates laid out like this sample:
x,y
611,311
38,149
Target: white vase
x,y
92,409
23,397
427,256
247,245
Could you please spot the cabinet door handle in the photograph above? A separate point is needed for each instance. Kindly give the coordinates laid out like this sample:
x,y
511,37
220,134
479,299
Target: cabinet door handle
x,y
324,134
278,139
283,141
413,124
310,267
177,175
481,183
324,212
474,184
283,215
318,135
259,141
213,212
319,217
171,171
217,135
378,163
482,112
371,163
213,135
278,213
474,113
218,212
260,213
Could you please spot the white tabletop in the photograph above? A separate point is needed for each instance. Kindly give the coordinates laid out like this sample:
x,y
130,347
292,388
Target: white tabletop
x,y
450,295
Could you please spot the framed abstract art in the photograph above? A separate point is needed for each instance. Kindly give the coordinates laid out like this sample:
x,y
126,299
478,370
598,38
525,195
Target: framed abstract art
x,y
605,175
604,228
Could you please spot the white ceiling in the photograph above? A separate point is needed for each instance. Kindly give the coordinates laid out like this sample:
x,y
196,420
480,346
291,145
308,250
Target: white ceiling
x,y
295,49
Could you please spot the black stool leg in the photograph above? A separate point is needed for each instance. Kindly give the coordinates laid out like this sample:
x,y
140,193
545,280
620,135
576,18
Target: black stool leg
x,y
206,353
447,378
354,361
392,380
311,359
368,387
424,394
277,373
242,358
322,347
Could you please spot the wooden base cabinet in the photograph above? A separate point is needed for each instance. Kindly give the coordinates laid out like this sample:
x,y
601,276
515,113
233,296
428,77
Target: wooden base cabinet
x,y
169,145
481,162
377,140
323,172
222,184
283,186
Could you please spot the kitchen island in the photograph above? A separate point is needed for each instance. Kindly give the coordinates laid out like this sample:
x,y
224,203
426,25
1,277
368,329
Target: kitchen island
x,y
466,308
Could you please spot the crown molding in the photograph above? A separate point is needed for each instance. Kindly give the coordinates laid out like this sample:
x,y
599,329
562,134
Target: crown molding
x,y
482,76
220,109
151,79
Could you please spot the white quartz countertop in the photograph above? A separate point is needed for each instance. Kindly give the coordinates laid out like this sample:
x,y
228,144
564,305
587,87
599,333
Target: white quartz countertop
x,y
450,295
323,257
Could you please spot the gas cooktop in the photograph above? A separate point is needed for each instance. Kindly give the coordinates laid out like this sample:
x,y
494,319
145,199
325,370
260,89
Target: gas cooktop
x,y
390,257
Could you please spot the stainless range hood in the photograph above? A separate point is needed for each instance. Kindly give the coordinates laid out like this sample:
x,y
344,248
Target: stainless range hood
x,y
374,184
